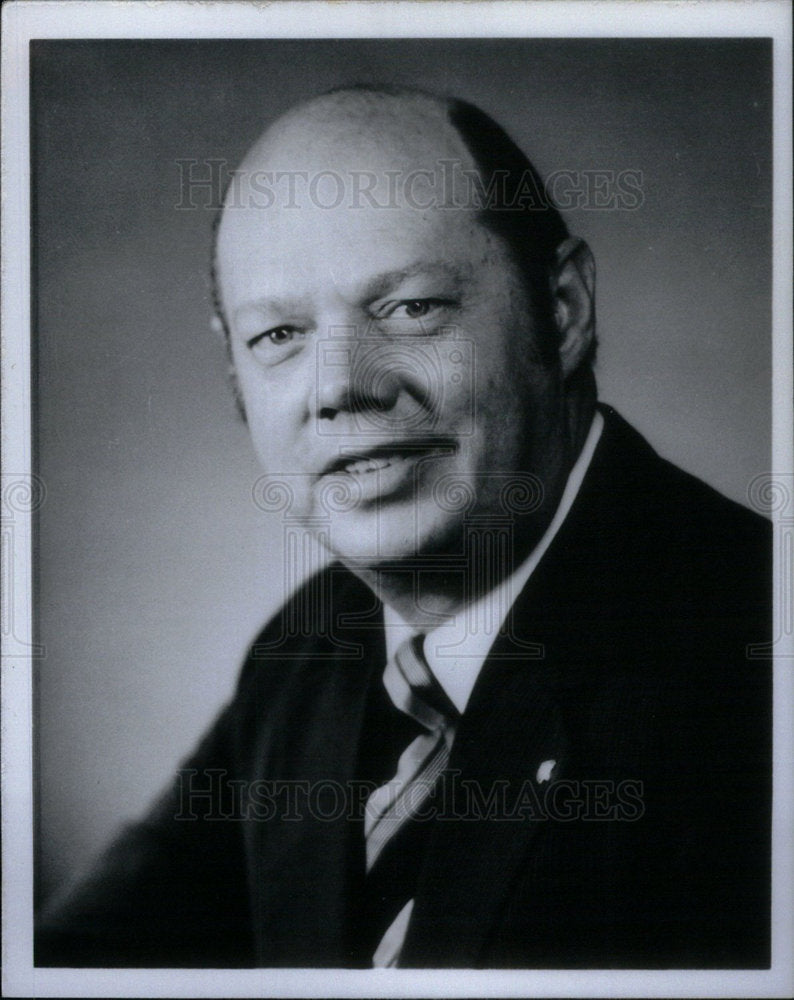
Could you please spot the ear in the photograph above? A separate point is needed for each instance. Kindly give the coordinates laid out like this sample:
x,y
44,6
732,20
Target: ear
x,y
573,295
218,327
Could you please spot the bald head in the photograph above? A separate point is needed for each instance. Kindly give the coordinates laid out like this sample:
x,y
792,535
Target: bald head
x,y
374,126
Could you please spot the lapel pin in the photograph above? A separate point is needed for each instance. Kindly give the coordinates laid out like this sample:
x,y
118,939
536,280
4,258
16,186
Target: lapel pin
x,y
544,771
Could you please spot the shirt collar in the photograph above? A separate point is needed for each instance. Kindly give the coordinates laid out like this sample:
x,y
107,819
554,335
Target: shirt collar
x,y
456,650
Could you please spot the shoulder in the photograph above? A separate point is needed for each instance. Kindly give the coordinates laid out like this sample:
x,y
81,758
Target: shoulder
x,y
624,456
328,604
329,620
662,513
675,588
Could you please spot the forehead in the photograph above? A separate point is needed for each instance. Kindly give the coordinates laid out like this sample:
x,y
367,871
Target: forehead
x,y
329,196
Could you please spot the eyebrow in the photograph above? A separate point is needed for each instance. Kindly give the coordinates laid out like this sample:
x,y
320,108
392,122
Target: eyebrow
x,y
374,287
380,284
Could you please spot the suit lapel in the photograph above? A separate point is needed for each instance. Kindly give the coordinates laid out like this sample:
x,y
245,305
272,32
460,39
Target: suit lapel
x,y
511,729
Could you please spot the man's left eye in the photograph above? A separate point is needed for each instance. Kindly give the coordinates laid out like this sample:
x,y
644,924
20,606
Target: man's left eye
x,y
416,308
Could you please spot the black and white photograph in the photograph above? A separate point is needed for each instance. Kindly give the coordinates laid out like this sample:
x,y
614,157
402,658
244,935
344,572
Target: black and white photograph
x,y
397,499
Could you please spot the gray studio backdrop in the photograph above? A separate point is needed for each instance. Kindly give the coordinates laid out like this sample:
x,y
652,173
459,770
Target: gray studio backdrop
x,y
155,566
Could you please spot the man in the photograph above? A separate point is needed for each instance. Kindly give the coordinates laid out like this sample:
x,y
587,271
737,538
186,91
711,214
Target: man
x,y
519,722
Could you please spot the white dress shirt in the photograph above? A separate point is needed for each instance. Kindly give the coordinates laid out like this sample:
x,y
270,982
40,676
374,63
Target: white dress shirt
x,y
457,650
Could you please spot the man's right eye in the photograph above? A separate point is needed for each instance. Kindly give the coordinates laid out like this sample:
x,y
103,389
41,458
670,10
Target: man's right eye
x,y
270,347
278,336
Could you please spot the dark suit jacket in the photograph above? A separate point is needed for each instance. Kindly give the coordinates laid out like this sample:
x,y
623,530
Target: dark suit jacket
x,y
634,658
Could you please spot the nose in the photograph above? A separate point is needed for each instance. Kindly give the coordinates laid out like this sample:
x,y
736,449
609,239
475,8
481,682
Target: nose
x,y
353,377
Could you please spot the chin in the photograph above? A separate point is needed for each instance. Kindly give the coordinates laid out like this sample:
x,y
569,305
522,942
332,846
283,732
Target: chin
x,y
384,538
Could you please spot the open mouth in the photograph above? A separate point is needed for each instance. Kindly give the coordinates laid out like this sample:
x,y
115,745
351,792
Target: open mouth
x,y
386,456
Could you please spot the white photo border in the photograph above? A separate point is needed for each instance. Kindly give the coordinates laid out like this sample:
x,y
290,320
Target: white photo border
x,y
57,19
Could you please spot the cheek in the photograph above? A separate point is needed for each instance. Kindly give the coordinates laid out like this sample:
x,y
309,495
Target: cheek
x,y
271,407
510,399
496,375
267,426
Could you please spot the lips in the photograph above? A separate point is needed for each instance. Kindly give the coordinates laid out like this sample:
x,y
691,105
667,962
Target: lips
x,y
360,462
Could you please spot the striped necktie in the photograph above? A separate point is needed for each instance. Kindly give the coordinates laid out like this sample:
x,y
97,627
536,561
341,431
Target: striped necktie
x,y
391,836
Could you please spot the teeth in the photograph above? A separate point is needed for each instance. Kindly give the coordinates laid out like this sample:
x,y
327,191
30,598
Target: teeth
x,y
362,465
